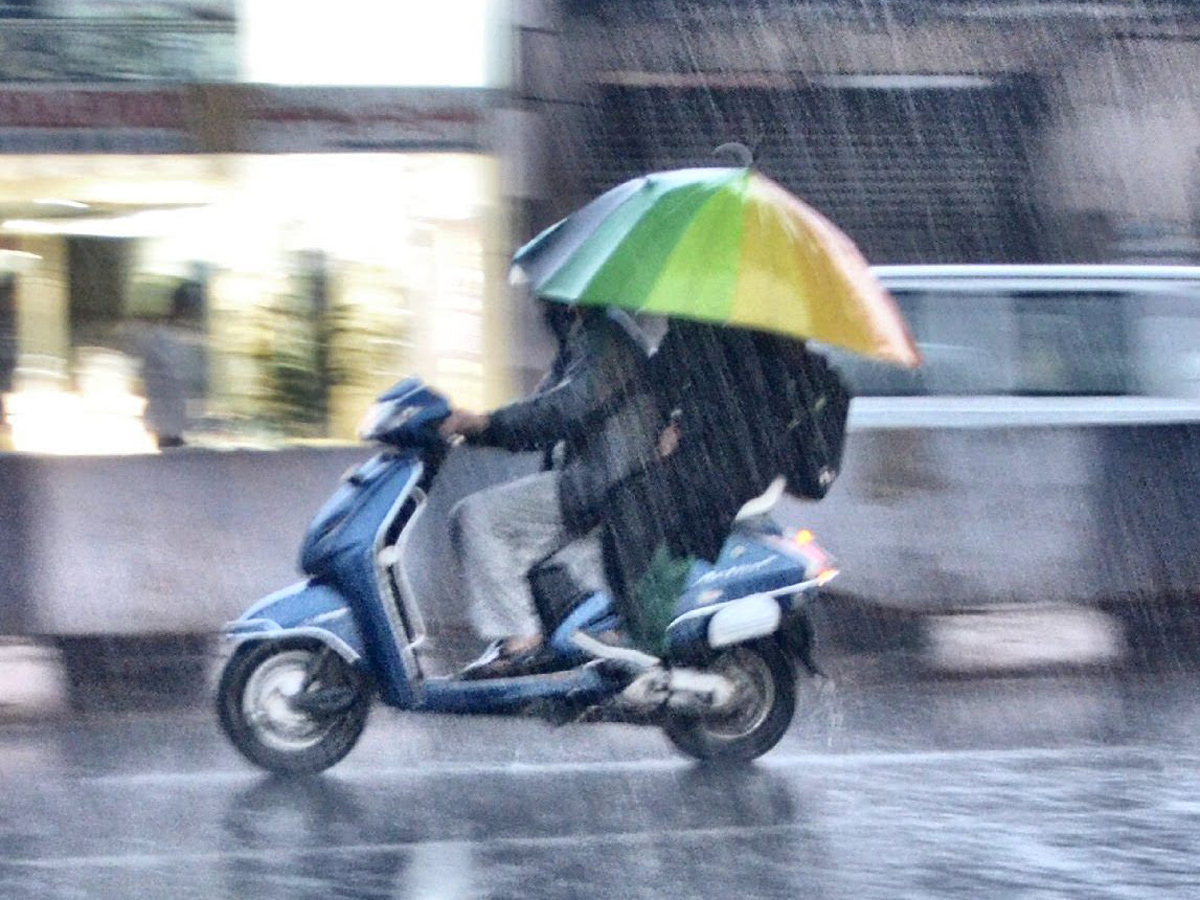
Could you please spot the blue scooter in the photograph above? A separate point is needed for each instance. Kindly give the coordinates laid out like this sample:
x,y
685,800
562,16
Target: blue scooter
x,y
308,660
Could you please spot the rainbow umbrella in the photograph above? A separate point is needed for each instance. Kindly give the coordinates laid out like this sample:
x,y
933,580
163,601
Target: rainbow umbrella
x,y
725,245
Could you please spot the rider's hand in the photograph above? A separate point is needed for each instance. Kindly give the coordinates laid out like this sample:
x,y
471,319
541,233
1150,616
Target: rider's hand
x,y
462,423
668,440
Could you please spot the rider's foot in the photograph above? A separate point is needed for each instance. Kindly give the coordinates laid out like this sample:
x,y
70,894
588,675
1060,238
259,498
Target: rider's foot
x,y
511,657
514,645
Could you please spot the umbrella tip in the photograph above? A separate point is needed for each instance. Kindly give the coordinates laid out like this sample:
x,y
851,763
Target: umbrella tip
x,y
735,153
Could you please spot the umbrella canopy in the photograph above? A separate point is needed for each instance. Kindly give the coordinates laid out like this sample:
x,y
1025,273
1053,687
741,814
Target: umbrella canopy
x,y
725,245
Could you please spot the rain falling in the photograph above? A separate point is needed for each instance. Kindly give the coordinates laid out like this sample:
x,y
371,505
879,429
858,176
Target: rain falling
x,y
632,448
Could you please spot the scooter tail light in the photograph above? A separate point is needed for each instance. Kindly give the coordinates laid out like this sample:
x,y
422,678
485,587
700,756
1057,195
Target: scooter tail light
x,y
815,556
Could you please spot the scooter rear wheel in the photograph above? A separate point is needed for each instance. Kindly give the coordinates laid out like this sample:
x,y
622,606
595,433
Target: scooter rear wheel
x,y
258,709
765,701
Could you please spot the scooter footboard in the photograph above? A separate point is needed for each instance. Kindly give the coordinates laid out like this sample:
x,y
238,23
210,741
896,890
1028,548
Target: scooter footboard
x,y
309,609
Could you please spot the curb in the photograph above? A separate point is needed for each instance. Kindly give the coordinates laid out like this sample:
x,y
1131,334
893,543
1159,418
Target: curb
x,y
32,681
856,640
1008,639
967,642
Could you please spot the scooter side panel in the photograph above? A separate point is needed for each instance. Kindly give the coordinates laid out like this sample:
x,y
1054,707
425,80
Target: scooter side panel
x,y
746,566
306,609
596,614
350,516
344,603
351,568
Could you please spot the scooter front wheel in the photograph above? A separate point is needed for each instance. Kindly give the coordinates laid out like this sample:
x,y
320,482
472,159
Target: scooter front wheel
x,y
292,707
764,680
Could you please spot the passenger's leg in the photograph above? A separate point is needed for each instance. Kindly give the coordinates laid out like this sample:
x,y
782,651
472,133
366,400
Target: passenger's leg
x,y
499,533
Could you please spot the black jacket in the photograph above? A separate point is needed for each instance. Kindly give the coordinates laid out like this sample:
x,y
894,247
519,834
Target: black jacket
x,y
599,406
713,380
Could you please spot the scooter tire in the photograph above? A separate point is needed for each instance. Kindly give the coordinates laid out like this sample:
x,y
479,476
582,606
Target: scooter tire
x,y
767,682
270,733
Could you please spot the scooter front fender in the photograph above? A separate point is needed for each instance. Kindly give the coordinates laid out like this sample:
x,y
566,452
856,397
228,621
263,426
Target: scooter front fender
x,y
308,609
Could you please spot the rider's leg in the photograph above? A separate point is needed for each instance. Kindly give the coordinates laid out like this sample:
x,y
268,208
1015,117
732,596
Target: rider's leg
x,y
499,533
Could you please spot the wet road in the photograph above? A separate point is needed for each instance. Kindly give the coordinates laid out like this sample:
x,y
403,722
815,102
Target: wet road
x,y
1037,788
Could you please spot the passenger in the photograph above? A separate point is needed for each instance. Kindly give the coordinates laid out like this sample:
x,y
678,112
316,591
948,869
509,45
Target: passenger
x,y
595,403
712,382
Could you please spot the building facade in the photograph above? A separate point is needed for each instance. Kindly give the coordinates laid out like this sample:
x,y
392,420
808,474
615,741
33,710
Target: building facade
x,y
340,233
931,130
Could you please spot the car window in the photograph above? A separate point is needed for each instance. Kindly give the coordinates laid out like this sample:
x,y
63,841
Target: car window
x,y
1072,343
1049,343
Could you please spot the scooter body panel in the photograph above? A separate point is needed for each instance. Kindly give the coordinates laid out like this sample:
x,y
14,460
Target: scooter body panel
x,y
307,609
345,554
341,555
747,565
597,614
754,563
351,518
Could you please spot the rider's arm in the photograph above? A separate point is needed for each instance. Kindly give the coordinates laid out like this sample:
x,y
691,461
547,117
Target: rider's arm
x,y
604,362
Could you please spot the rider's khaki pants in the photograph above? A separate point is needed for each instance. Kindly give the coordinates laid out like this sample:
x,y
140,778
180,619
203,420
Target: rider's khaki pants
x,y
499,534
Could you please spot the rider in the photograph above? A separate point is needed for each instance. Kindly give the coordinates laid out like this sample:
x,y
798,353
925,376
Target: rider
x,y
598,406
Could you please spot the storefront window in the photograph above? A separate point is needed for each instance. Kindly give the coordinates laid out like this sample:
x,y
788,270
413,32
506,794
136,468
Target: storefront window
x,y
315,282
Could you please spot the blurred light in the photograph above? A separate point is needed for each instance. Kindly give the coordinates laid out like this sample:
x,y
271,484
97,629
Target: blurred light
x,y
17,260
70,424
149,223
30,226
468,367
804,536
826,576
367,43
903,82
64,204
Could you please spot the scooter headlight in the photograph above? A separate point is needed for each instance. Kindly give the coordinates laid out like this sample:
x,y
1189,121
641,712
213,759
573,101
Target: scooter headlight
x,y
373,420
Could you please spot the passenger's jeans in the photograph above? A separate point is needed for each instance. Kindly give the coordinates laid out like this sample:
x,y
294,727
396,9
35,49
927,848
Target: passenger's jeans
x,y
499,534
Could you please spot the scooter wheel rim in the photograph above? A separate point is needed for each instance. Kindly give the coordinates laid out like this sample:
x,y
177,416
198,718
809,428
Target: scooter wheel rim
x,y
753,698
267,708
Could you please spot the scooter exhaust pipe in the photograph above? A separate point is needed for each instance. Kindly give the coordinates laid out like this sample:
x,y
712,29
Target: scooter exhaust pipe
x,y
654,686
679,690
